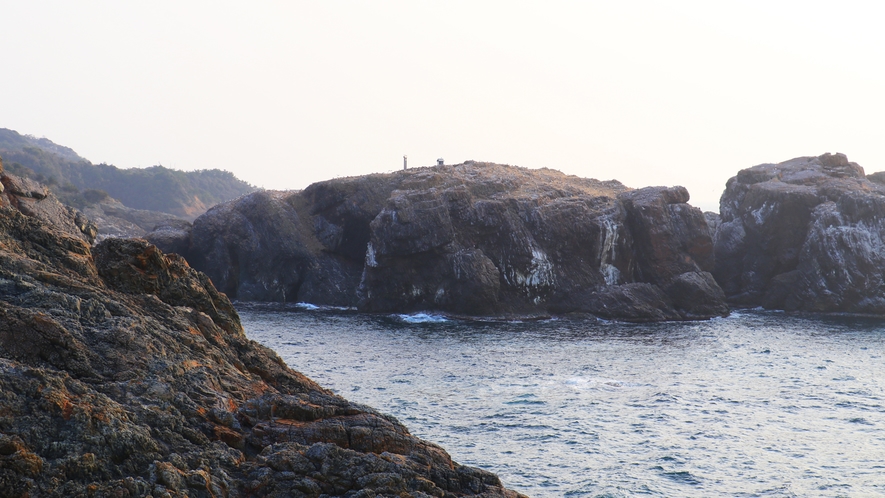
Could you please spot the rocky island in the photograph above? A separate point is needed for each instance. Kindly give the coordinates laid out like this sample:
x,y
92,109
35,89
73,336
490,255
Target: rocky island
x,y
123,372
475,239
804,235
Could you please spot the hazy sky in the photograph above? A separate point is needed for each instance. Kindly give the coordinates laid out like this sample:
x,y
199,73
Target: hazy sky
x,y
287,93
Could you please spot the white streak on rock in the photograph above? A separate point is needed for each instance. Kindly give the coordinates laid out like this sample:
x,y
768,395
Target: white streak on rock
x,y
607,251
370,256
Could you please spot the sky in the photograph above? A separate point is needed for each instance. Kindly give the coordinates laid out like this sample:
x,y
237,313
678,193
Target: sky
x,y
284,94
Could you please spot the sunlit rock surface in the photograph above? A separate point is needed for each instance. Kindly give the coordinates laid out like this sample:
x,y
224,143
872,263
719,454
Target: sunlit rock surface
x,y
476,239
804,234
124,373
113,219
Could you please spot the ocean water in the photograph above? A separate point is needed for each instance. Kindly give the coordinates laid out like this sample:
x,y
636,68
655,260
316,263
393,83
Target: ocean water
x,y
756,404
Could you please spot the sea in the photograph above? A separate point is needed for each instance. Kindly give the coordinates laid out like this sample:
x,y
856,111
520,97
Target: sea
x,y
759,403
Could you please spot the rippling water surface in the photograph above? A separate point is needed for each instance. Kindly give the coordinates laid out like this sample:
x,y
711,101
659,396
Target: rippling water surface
x,y
757,404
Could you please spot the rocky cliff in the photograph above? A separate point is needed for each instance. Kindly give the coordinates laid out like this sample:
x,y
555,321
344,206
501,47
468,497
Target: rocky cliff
x,y
123,372
804,234
475,239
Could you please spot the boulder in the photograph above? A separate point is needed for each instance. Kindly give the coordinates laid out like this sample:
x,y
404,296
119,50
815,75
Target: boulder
x,y
474,239
124,372
35,200
804,234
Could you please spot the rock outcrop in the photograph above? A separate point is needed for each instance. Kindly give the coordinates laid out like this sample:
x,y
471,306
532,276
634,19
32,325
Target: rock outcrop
x,y
36,201
474,239
123,372
805,234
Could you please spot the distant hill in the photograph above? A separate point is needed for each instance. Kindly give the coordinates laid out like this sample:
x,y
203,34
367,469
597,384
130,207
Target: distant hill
x,y
75,180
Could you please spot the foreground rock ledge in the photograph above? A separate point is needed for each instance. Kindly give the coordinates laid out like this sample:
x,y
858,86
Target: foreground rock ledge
x,y
473,239
804,235
123,372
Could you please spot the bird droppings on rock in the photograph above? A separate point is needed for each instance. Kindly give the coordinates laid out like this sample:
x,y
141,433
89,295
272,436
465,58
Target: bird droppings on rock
x,y
803,235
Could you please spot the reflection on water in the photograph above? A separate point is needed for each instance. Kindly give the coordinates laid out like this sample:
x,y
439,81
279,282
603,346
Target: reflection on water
x,y
757,404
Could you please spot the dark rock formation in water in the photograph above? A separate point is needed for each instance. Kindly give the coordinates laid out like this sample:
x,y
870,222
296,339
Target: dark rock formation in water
x,y
123,372
475,239
805,234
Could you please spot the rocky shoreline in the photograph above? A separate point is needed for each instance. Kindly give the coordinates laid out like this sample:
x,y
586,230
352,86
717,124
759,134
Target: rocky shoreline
x,y
123,372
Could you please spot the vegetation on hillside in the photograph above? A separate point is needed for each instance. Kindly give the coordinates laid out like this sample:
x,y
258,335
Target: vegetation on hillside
x,y
13,140
76,180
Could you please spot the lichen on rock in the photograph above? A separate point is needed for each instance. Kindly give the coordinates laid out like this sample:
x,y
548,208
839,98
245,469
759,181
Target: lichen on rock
x,y
123,372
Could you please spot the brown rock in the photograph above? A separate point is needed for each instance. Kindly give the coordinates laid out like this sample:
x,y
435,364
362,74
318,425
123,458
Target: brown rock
x,y
123,372
35,200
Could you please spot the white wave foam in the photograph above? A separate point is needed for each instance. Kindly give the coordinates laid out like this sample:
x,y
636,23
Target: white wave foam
x,y
595,382
422,318
322,307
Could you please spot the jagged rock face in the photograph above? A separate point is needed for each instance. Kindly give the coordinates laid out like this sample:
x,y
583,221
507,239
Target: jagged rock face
x,y
260,248
805,234
473,239
123,372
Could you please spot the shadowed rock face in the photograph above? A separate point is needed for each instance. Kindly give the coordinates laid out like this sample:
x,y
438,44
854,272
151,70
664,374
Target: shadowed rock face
x,y
475,239
123,372
805,234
